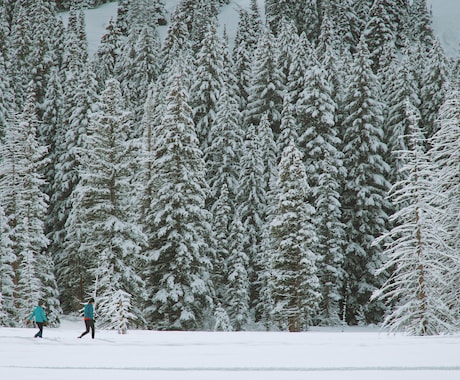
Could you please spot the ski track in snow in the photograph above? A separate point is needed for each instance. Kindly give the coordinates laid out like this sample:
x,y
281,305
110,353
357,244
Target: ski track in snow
x,y
245,369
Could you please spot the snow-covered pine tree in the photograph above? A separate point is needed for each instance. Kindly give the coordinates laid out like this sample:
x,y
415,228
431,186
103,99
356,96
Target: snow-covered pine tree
x,y
316,116
222,321
435,81
4,27
417,256
252,201
296,290
7,256
288,127
269,153
266,88
331,238
6,96
8,315
53,106
309,17
421,23
25,207
76,42
222,212
114,311
326,37
379,32
153,114
122,16
279,12
237,298
176,43
79,106
193,14
320,142
138,67
107,54
179,273
445,157
142,13
223,154
57,52
207,83
302,52
286,42
400,87
101,226
347,23
18,48
255,23
264,305
244,47
364,195
43,15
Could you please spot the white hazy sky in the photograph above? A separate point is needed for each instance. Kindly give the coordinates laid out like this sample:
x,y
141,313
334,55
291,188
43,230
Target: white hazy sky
x,y
446,15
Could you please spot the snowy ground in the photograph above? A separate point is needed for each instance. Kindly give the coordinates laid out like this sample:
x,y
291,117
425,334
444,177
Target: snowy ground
x,y
321,354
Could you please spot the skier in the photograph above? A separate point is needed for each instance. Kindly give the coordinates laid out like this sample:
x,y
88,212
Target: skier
x,y
88,315
40,318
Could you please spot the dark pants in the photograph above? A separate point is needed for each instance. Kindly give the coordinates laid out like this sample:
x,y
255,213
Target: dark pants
x,y
89,323
40,331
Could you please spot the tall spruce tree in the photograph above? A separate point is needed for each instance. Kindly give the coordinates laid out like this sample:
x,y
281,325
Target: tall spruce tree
x,y
7,274
107,54
223,154
379,32
6,96
243,54
221,213
137,68
295,279
400,87
364,194
435,80
101,228
25,207
237,298
69,142
207,83
252,203
179,273
266,88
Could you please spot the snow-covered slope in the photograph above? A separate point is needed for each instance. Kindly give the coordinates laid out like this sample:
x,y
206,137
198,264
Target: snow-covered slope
x,y
446,14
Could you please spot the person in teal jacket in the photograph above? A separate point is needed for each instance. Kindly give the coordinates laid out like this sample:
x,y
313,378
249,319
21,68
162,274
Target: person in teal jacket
x,y
38,314
88,315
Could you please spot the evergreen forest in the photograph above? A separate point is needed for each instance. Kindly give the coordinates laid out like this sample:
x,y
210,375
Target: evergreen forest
x,y
304,173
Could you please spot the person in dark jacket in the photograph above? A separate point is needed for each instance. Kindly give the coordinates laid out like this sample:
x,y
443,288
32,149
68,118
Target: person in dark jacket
x,y
38,314
88,315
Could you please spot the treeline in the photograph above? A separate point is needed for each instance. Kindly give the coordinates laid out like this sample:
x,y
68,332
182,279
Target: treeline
x,y
303,173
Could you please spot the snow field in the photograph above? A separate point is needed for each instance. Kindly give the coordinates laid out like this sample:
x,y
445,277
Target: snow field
x,y
323,353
